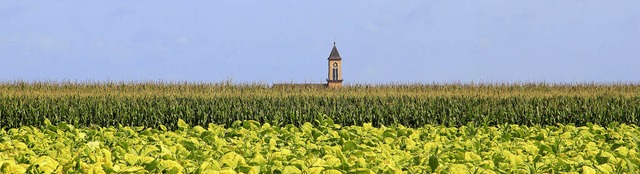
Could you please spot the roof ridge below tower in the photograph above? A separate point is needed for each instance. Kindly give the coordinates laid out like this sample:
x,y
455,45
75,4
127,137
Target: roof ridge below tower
x,y
334,53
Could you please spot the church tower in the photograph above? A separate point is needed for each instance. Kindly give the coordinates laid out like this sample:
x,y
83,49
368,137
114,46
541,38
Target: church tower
x,y
334,79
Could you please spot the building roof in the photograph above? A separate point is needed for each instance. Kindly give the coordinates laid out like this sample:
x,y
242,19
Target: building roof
x,y
334,53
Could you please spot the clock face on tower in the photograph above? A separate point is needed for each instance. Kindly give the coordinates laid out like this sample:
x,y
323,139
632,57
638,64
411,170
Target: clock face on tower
x,y
335,64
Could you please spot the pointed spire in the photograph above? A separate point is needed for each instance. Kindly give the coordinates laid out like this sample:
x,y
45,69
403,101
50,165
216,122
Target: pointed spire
x,y
334,53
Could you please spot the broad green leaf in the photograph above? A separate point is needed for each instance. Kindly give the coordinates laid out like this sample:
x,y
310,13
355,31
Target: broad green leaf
x,y
332,161
131,159
588,170
66,127
170,166
182,125
605,168
291,170
458,168
20,145
189,145
470,156
258,159
433,163
361,171
393,170
47,122
226,172
314,170
45,164
318,162
93,145
349,146
9,168
251,125
232,160
248,169
198,129
332,171
132,169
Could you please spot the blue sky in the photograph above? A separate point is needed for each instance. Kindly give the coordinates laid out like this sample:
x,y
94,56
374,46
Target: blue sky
x,y
289,41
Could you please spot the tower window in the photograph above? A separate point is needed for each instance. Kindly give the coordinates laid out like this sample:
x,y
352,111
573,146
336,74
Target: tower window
x,y
335,73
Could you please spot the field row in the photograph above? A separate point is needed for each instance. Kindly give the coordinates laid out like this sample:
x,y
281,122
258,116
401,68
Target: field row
x,y
227,89
249,147
152,111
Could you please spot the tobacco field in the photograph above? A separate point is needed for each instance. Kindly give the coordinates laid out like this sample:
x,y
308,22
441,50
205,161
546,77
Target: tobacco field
x,y
248,147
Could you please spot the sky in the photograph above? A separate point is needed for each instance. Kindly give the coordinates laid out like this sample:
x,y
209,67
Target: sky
x,y
257,41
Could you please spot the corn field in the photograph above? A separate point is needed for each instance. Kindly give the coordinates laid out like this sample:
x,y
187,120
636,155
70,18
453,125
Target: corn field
x,y
151,104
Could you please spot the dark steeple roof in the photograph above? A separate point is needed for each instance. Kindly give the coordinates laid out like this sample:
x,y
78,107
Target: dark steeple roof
x,y
334,53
